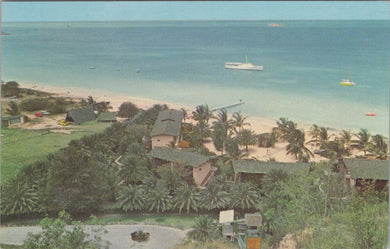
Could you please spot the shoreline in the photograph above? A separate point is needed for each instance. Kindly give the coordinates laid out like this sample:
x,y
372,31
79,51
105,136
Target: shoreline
x,y
257,124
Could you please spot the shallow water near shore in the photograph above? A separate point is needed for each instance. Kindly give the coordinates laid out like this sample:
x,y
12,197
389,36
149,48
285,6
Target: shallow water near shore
x,y
183,62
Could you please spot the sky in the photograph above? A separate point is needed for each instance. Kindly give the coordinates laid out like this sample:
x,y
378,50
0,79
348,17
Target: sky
x,y
194,10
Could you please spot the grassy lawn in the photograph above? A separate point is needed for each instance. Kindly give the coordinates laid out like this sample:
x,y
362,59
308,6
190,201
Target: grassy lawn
x,y
20,147
170,220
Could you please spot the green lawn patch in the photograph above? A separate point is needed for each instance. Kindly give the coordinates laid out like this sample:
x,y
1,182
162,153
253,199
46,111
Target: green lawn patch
x,y
170,220
20,147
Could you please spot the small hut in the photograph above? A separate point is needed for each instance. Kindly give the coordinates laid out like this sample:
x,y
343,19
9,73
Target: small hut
x,y
199,166
107,117
18,119
80,115
359,172
255,170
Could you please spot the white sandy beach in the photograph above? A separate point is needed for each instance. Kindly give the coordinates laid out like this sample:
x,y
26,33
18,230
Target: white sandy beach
x,y
257,124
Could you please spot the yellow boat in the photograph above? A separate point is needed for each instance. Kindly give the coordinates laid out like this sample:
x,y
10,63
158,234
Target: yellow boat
x,y
348,82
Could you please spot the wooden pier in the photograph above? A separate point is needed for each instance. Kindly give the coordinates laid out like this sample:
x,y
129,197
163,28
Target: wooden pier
x,y
228,106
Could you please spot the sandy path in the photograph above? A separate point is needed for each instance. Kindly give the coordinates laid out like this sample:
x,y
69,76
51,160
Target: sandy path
x,y
118,235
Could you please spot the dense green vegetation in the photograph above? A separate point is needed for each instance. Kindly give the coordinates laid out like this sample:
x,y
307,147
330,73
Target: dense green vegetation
x,y
113,169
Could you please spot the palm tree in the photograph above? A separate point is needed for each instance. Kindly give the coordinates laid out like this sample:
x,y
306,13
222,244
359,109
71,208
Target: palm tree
x,y
184,114
379,147
219,137
17,197
364,140
222,126
202,128
205,229
172,176
246,137
239,121
334,149
133,169
202,113
13,108
244,196
297,146
233,151
159,199
272,180
91,101
103,106
346,137
149,183
187,197
286,128
214,197
131,198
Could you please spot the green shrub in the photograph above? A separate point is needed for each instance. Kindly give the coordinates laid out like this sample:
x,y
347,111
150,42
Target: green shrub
x,y
34,104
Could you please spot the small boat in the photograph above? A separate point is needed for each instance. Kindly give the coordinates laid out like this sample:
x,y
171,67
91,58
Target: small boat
x,y
348,82
92,67
370,114
243,66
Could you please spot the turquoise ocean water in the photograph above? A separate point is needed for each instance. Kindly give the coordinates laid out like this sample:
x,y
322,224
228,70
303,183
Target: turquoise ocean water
x,y
183,62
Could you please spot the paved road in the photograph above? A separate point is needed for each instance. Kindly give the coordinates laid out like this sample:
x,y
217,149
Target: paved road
x,y
118,235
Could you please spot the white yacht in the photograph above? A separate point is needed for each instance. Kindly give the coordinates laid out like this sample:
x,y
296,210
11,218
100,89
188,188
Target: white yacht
x,y
243,66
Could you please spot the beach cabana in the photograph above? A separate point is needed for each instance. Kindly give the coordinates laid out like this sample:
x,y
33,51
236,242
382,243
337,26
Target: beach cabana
x,y
359,172
250,169
18,119
199,166
80,115
107,117
167,128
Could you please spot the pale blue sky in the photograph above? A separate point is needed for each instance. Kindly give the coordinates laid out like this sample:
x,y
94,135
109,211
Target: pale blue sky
x,y
198,10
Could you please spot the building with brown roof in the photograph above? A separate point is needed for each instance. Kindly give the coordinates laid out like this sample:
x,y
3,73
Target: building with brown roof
x,y
167,128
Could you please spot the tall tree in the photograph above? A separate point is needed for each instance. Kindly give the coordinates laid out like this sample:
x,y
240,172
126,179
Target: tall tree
x,y
202,113
239,121
379,147
13,108
10,89
222,127
286,128
246,137
363,140
127,110
334,149
296,146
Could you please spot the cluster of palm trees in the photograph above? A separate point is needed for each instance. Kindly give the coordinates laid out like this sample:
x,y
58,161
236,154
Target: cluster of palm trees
x,y
227,134
331,146
339,145
171,193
